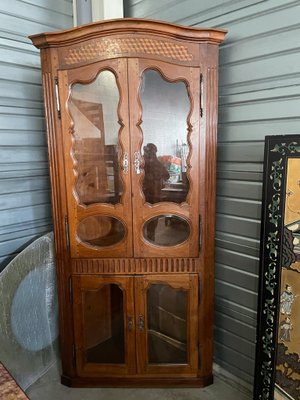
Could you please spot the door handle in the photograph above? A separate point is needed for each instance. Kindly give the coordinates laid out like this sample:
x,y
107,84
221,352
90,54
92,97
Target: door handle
x,y
137,160
125,163
141,323
130,323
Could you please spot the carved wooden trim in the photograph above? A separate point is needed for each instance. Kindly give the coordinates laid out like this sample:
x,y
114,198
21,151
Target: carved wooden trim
x,y
206,304
118,47
50,112
135,266
63,266
211,146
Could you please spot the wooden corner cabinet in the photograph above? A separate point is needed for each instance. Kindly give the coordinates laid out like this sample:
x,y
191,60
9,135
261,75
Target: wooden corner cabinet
x,y
131,111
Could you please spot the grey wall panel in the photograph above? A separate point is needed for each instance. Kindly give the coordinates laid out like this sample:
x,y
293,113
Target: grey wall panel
x,y
237,244
238,226
175,9
255,130
16,203
20,185
241,261
24,183
239,207
242,315
240,189
259,90
238,360
239,365
243,346
226,273
235,325
236,294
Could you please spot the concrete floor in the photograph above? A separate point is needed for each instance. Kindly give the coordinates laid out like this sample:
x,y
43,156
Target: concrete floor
x,y
49,388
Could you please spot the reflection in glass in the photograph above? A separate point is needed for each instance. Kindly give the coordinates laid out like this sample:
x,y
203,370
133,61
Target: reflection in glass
x,y
103,325
100,231
93,109
165,148
167,325
166,230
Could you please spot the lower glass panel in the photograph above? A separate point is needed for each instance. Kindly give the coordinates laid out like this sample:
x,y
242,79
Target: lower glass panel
x,y
167,325
166,230
100,231
104,325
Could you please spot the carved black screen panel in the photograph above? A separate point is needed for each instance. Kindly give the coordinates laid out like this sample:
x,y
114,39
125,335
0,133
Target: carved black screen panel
x,y
279,255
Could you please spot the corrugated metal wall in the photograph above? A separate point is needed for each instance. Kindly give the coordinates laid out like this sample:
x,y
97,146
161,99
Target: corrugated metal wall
x,y
259,95
24,184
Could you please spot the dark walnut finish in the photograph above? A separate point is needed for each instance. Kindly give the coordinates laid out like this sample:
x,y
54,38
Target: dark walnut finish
x,y
131,111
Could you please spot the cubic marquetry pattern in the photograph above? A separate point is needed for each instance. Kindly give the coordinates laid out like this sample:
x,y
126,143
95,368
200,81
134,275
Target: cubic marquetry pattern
x,y
112,47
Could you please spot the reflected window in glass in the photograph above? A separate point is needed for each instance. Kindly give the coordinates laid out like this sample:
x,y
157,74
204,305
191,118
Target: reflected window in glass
x,y
166,106
93,108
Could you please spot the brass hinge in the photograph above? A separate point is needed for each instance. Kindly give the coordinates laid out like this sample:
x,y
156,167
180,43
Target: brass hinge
x,y
199,288
57,98
201,95
67,232
74,354
70,290
200,233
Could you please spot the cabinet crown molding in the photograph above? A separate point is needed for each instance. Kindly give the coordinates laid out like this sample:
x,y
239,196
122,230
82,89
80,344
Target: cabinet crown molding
x,y
127,26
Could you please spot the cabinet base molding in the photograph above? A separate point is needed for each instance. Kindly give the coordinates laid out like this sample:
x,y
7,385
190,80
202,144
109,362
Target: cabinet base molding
x,y
137,381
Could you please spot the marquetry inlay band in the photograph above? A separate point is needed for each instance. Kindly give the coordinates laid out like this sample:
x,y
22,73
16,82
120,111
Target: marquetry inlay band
x,y
112,47
135,266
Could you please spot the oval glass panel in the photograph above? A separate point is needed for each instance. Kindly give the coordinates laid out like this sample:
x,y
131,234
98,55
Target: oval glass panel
x,y
101,231
166,230
93,107
165,147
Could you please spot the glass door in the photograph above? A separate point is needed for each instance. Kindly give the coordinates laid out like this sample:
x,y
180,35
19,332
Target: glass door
x,y
94,102
104,325
164,119
166,324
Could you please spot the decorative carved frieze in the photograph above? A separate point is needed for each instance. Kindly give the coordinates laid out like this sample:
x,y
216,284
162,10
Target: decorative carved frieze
x,y
135,266
114,47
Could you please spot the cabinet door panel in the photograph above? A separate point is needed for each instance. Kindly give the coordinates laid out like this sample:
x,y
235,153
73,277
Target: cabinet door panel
x,y
104,325
164,120
166,324
94,102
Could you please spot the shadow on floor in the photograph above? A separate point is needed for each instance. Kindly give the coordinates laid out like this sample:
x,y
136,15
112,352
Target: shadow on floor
x,y
49,388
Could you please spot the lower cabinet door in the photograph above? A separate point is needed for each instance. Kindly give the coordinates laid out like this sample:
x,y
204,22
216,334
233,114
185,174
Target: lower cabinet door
x,y
167,324
145,325
104,325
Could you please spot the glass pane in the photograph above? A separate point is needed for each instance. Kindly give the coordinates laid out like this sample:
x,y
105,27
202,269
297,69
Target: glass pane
x,y
166,230
100,231
93,109
165,148
167,325
103,325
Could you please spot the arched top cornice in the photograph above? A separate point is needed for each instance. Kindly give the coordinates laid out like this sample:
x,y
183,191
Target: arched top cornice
x,y
127,26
